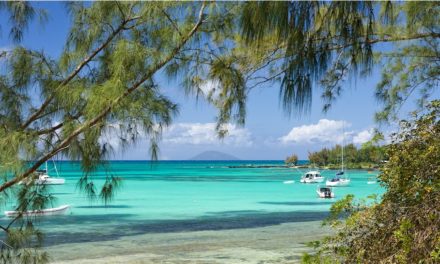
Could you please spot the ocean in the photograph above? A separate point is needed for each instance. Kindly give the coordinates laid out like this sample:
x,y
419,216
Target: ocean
x,y
184,196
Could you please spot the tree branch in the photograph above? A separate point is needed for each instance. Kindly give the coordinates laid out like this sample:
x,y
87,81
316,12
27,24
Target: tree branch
x,y
173,23
65,143
46,103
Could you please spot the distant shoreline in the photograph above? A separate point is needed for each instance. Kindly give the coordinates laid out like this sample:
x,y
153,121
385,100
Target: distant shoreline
x,y
372,167
249,164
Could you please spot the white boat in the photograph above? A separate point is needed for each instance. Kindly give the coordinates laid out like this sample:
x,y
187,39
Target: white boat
x,y
51,211
325,192
312,177
340,178
44,178
371,181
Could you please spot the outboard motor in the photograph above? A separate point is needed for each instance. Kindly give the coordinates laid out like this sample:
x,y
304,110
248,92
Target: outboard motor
x,y
328,193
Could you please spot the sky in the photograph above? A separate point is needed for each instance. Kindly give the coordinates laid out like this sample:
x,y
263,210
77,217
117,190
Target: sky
x,y
269,134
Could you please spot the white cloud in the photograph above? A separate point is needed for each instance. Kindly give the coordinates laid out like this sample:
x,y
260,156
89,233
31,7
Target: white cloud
x,y
205,134
363,136
325,131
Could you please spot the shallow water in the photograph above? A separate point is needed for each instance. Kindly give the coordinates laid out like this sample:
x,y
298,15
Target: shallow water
x,y
181,196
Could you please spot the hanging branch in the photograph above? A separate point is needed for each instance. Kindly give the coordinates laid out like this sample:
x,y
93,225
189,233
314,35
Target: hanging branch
x,y
108,109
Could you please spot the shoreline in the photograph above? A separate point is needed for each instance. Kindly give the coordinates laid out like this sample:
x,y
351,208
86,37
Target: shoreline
x,y
283,243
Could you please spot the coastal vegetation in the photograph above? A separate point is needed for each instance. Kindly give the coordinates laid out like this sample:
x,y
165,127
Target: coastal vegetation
x,y
103,86
368,156
402,226
326,44
291,160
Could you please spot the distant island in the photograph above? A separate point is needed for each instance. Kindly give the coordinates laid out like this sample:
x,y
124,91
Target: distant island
x,y
214,155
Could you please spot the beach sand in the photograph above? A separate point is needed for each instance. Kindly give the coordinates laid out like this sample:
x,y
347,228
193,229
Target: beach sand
x,y
284,243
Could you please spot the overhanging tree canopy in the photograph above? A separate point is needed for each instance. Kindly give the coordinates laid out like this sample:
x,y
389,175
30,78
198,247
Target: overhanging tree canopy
x,y
323,43
104,80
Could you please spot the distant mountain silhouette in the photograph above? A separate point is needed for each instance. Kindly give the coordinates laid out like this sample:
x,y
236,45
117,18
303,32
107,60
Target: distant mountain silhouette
x,y
213,155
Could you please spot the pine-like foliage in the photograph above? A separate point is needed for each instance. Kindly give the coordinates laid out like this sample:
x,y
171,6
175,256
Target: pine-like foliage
x,y
292,159
102,88
99,92
323,43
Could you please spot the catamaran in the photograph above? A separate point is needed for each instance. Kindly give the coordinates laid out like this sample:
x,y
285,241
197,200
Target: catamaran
x,y
50,211
44,178
312,177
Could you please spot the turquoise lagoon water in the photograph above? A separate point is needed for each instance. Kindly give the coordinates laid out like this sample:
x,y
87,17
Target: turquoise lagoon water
x,y
176,196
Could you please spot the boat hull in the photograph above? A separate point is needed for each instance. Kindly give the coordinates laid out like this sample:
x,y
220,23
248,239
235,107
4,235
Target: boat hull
x,y
52,211
45,181
314,180
50,181
339,183
323,195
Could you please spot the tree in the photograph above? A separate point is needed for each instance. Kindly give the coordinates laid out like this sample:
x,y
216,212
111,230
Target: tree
x,y
293,159
102,84
320,158
369,153
404,225
323,43
104,81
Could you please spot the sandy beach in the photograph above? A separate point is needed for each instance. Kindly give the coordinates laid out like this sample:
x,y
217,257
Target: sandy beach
x,y
284,243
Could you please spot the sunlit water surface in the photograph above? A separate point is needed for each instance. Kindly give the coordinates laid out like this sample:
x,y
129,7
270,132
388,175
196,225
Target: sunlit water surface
x,y
175,196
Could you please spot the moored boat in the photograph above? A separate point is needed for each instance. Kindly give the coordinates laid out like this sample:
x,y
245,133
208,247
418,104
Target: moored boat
x,y
371,180
312,177
43,178
50,211
325,192
46,179
338,180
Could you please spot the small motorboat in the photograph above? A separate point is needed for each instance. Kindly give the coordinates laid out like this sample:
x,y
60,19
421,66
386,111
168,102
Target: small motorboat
x,y
325,192
312,177
371,180
50,211
338,180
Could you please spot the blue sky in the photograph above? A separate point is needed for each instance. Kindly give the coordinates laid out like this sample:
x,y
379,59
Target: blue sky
x,y
268,134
